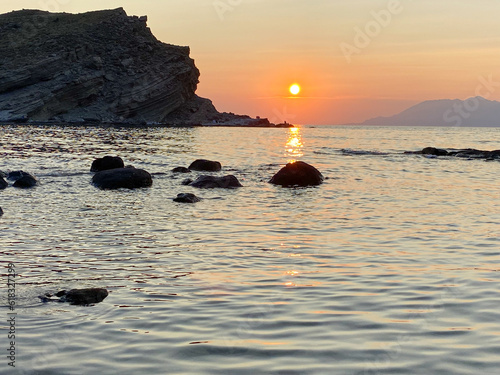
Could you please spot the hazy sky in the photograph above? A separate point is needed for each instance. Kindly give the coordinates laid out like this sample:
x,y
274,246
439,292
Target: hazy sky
x,y
354,59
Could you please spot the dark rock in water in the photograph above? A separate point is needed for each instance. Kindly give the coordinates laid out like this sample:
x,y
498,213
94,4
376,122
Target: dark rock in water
x,y
3,183
472,153
469,153
25,182
181,170
1,211
78,296
186,198
187,181
205,166
130,178
297,174
434,151
211,182
106,163
16,175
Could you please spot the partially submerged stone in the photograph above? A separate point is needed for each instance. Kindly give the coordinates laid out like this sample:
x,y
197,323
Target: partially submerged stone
x,y
22,179
129,178
86,296
107,162
297,174
211,182
186,198
181,170
204,165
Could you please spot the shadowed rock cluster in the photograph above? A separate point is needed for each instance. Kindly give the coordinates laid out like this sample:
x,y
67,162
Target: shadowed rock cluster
x,y
468,153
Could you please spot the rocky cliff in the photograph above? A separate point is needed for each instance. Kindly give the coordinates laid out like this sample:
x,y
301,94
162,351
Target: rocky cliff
x,y
101,66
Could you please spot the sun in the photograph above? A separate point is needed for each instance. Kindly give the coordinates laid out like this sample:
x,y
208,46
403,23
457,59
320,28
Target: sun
x,y
294,89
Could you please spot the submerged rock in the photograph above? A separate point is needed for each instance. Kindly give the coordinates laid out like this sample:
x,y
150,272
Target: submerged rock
x,y
181,170
78,296
211,182
186,181
106,163
129,178
204,165
186,198
297,174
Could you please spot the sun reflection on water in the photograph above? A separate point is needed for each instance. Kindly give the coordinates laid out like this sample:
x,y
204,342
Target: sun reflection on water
x,y
294,145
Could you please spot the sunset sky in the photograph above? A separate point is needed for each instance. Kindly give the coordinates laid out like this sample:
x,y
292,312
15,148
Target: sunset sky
x,y
354,59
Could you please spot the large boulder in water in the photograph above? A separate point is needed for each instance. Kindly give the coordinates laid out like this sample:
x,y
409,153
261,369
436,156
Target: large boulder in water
x,y
211,182
3,183
129,178
106,163
204,165
297,174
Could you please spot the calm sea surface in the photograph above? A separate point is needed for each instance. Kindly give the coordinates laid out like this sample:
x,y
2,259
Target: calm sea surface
x,y
390,267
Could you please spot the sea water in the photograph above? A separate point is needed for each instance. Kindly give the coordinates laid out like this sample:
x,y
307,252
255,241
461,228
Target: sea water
x,y
390,267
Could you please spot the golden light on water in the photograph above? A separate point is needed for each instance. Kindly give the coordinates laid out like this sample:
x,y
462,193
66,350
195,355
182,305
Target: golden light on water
x,y
293,146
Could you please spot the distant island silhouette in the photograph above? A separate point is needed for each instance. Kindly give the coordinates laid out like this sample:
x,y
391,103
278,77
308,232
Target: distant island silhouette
x,y
474,111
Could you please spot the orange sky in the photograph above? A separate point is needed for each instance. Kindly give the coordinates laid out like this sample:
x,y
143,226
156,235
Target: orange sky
x,y
355,59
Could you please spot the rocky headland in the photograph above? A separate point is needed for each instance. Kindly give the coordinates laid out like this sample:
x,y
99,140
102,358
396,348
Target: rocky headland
x,y
102,67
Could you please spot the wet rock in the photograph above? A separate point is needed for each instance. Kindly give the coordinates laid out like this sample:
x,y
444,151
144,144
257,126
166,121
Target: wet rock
x,y
86,296
434,151
129,178
26,182
106,163
22,179
472,153
468,153
16,175
204,165
211,182
3,183
297,174
1,211
186,181
181,170
186,198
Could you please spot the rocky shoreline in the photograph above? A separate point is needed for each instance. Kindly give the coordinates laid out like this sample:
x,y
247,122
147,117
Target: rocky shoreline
x,y
99,68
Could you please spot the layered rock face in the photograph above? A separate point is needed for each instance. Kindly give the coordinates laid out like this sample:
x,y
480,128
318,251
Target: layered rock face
x,y
99,66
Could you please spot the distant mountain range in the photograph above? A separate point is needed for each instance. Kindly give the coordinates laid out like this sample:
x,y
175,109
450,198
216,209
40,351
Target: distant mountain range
x,y
475,111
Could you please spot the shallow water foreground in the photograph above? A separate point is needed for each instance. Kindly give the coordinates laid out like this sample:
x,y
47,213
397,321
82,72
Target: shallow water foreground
x,y
390,267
